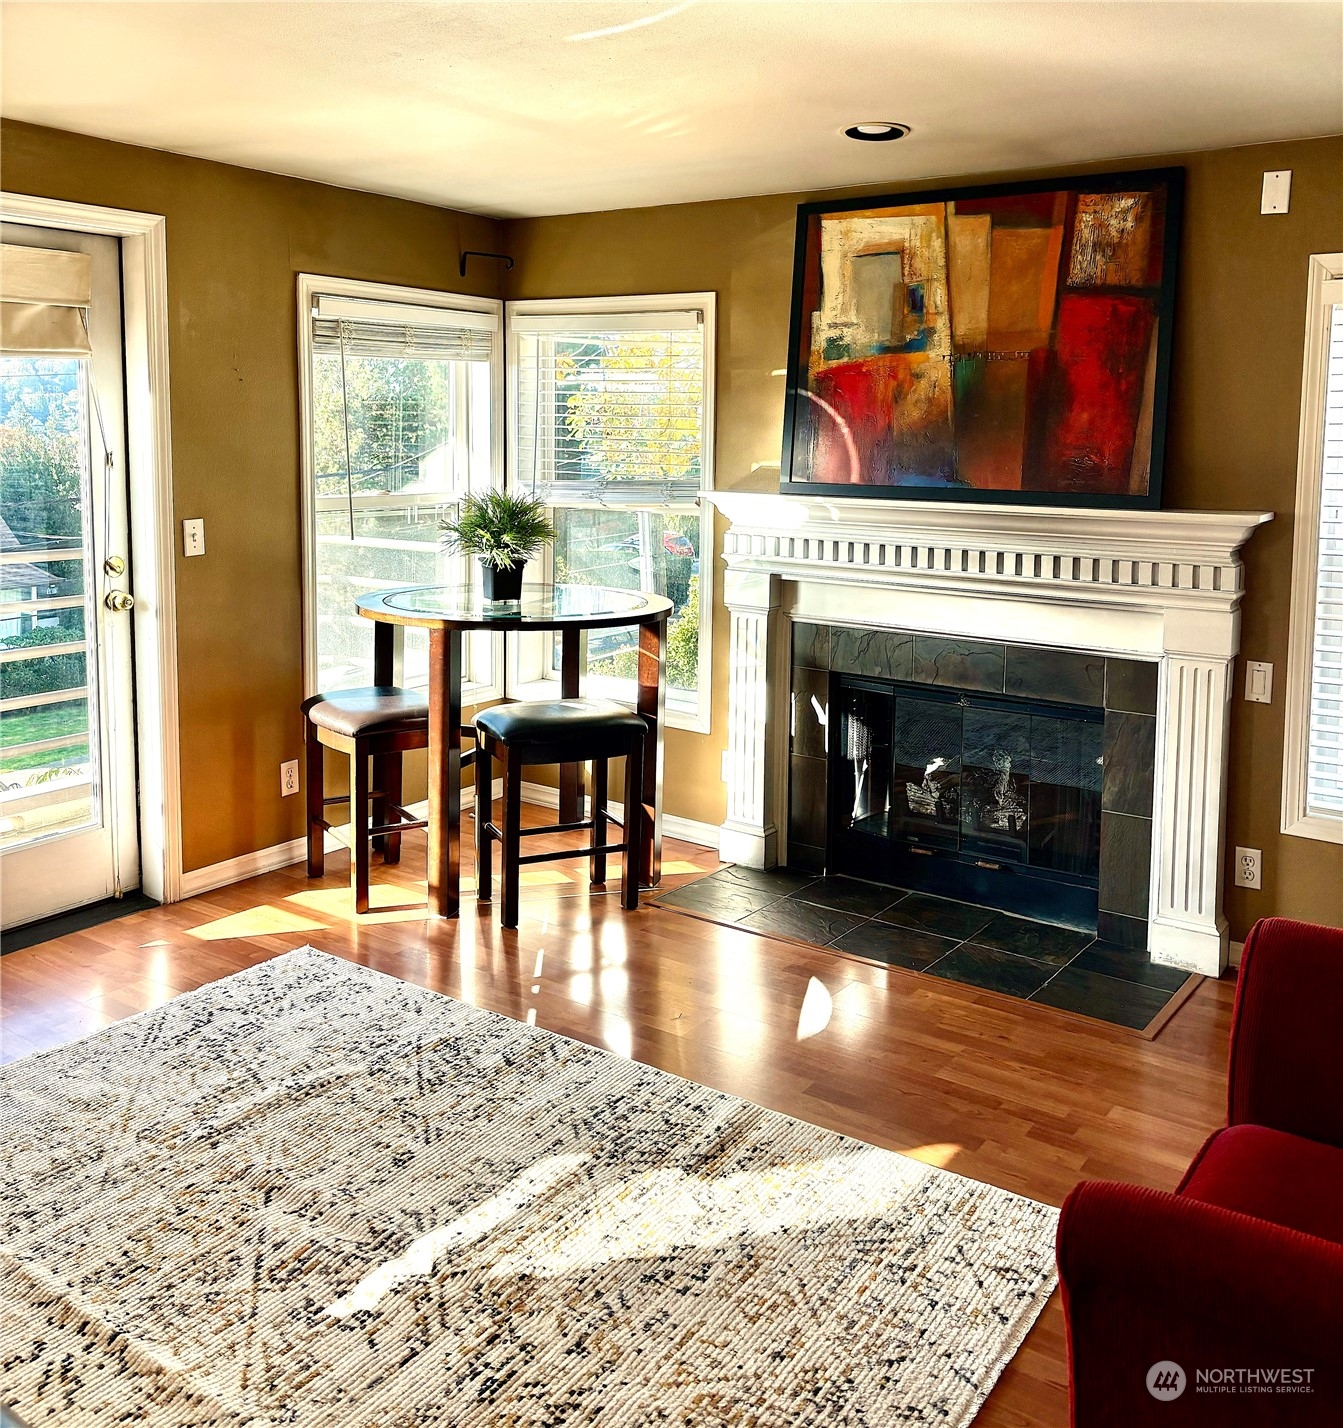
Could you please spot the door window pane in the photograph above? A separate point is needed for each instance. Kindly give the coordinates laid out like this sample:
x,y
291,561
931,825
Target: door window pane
x,y
48,743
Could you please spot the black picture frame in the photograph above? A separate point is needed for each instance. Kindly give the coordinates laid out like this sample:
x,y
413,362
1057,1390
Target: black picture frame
x,y
795,478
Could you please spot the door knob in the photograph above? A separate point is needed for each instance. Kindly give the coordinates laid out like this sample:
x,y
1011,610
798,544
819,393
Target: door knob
x,y
119,600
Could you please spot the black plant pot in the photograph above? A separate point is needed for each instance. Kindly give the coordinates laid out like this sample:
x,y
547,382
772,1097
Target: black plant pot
x,y
502,584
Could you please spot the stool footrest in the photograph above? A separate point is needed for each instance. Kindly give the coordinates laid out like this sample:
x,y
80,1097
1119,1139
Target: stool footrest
x,y
584,852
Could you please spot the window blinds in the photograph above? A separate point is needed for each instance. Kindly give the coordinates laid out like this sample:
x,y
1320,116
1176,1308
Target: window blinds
x,y
1324,781
45,293
360,328
609,408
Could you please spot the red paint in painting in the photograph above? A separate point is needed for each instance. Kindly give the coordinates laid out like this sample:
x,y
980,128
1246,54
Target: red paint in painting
x,y
883,421
1091,391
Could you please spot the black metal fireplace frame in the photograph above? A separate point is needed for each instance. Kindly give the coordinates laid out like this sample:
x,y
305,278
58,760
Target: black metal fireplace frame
x,y
1049,894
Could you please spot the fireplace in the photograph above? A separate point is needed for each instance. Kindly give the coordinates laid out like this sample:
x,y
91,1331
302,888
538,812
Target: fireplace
x,y
1015,776
1130,612
990,800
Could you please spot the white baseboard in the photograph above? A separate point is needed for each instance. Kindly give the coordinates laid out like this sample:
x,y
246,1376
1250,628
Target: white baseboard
x,y
282,855
246,865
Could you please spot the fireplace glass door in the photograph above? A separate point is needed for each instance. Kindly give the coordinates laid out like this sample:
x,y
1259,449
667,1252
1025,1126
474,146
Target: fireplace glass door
x,y
990,798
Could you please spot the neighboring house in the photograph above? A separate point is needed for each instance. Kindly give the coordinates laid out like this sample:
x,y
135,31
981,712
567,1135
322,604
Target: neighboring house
x,y
21,581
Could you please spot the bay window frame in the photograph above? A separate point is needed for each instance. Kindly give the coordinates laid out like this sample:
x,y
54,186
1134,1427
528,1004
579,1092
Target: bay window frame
x,y
479,685
527,672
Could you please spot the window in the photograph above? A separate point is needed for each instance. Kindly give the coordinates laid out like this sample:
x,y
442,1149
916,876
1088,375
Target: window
x,y
400,394
1313,762
613,426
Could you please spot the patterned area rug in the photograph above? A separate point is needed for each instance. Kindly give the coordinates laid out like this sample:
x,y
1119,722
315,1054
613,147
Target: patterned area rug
x,y
312,1194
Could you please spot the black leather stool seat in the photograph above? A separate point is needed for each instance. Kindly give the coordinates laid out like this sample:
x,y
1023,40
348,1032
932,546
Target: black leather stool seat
x,y
559,721
558,731
364,711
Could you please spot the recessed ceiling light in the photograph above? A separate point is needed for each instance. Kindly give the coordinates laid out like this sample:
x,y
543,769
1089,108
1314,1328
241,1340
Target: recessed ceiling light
x,y
876,131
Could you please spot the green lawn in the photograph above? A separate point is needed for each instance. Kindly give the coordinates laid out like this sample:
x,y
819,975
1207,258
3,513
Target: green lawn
x,y
47,721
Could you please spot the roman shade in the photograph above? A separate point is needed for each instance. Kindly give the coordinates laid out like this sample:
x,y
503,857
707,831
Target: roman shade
x,y
609,407
45,293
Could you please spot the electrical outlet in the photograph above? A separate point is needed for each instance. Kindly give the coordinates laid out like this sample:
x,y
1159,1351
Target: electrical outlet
x,y
288,777
1249,868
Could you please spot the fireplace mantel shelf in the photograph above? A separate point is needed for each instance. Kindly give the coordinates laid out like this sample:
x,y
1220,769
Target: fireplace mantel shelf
x,y
1183,558
1165,586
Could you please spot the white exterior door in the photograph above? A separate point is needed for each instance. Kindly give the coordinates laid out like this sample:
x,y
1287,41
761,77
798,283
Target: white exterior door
x,y
68,814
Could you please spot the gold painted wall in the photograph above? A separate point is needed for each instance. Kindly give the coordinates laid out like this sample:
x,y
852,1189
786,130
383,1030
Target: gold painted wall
x,y
237,239
1232,432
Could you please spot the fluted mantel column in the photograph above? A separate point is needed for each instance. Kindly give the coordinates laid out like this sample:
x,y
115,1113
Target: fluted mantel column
x,y
748,835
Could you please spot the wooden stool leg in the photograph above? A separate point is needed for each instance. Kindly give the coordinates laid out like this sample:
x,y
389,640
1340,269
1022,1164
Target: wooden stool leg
x,y
508,915
634,824
359,841
379,841
600,771
391,849
315,794
484,813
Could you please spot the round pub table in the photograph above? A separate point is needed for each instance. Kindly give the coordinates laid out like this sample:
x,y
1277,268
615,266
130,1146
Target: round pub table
x,y
447,611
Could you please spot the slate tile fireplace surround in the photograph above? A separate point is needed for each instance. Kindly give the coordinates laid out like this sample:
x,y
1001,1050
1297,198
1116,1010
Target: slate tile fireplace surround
x,y
1110,613
1011,776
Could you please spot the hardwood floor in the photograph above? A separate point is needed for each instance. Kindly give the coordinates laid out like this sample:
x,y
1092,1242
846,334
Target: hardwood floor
x,y
1005,1091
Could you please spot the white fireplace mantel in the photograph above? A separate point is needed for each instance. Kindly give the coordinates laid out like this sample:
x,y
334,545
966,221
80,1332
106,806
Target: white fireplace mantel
x,y
1158,585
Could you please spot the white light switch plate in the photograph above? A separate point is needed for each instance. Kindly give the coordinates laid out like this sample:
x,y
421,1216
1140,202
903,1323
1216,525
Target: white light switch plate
x,y
193,537
1258,682
1277,195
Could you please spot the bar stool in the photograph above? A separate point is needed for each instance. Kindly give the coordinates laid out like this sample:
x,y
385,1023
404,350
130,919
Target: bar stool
x,y
557,731
380,723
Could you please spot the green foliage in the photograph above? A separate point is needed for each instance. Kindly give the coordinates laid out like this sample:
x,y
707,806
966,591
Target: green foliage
x,y
398,412
501,528
41,446
683,642
633,407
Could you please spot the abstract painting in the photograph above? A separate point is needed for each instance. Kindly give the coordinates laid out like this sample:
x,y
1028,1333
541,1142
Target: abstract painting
x,y
1001,343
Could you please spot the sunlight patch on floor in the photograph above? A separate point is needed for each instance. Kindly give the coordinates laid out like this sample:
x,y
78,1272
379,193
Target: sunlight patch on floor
x,y
388,902
940,1154
817,1007
254,922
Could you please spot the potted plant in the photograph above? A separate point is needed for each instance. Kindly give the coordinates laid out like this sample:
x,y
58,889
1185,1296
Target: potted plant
x,y
503,531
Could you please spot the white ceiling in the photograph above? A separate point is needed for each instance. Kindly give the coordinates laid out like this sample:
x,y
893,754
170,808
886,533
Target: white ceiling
x,y
520,109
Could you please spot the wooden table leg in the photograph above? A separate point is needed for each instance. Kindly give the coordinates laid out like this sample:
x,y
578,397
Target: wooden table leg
x,y
384,646
573,660
653,706
445,770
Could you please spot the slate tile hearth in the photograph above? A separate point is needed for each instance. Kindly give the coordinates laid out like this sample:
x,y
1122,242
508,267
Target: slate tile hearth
x,y
975,946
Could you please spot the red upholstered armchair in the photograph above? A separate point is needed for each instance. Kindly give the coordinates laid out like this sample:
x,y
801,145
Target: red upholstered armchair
x,y
1237,1277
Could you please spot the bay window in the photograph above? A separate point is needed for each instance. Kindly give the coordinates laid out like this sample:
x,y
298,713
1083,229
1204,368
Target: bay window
x,y
401,390
611,425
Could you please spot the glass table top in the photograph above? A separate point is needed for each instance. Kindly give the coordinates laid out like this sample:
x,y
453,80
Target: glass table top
x,y
540,604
